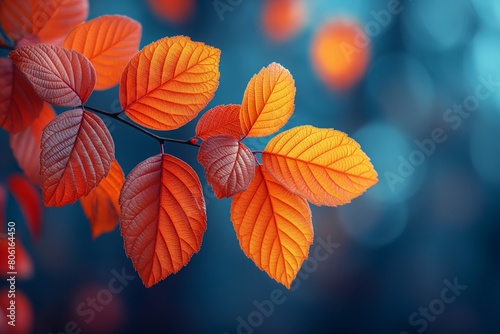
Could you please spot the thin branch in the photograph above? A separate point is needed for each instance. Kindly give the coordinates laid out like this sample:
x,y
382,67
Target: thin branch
x,y
160,139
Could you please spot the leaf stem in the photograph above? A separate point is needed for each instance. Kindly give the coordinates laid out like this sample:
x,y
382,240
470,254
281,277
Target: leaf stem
x,y
160,139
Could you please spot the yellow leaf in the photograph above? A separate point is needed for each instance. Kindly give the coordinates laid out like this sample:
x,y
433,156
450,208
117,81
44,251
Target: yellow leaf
x,y
323,165
273,227
268,101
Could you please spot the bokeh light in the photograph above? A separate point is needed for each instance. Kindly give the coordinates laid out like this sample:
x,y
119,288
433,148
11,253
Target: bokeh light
x,y
340,53
403,91
489,12
456,198
174,11
485,148
439,25
283,19
23,313
100,310
390,153
372,222
482,56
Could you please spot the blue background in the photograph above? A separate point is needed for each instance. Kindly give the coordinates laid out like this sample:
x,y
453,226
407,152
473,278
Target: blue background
x,y
396,246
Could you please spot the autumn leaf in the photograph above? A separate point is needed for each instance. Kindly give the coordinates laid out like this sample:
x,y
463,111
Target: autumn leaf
x,y
77,151
19,103
109,42
228,164
59,76
24,265
28,199
220,120
323,165
26,144
101,205
163,217
169,82
268,101
273,227
49,20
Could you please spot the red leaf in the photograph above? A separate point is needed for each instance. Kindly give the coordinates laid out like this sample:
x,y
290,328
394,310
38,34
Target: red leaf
x,y
24,313
26,145
59,76
23,265
49,20
101,205
229,165
19,104
163,216
77,151
3,202
29,201
220,120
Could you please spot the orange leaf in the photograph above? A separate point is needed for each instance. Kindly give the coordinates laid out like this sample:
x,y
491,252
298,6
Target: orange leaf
x,y
49,20
19,104
268,101
163,217
109,42
169,82
101,205
77,151
323,165
220,120
29,201
228,164
59,76
273,226
26,144
23,265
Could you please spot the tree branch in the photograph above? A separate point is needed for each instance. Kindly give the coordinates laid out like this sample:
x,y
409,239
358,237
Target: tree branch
x,y
161,140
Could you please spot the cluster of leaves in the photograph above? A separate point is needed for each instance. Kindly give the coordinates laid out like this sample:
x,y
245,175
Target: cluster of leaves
x,y
160,204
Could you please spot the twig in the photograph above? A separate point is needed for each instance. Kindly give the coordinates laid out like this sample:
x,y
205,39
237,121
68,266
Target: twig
x,y
160,139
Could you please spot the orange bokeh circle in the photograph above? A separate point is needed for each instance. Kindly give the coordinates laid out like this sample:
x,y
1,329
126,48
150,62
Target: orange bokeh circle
x,y
340,53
